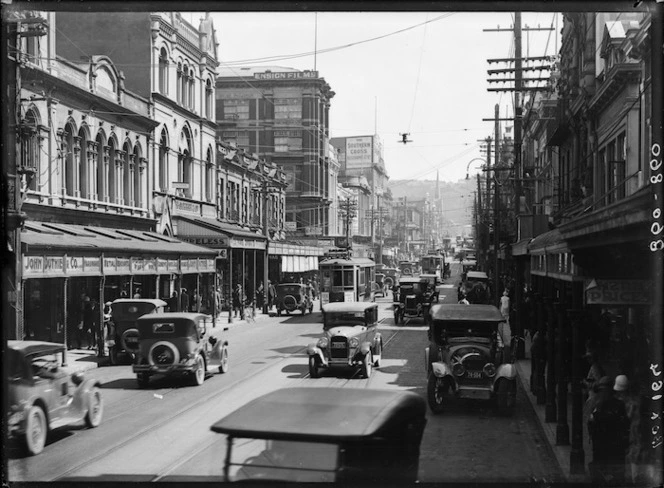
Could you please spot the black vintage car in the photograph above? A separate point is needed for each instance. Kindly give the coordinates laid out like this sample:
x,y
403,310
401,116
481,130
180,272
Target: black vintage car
x,y
294,296
122,338
475,288
413,298
466,358
174,344
349,436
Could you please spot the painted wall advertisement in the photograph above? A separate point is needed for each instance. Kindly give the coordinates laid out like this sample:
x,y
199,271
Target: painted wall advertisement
x,y
359,152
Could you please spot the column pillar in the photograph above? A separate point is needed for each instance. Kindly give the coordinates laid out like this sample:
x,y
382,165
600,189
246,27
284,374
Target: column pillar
x,y
562,429
550,410
66,320
577,454
539,355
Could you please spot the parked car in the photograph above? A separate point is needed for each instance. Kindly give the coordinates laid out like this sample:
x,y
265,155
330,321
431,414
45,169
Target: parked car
x,y
294,296
475,288
173,344
348,436
350,338
466,358
122,336
412,298
408,268
44,396
379,285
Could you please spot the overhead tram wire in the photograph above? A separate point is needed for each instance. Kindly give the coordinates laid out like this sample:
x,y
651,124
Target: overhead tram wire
x,y
269,59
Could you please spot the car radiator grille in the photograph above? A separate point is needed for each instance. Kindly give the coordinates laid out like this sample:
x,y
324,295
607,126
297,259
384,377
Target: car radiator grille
x,y
338,348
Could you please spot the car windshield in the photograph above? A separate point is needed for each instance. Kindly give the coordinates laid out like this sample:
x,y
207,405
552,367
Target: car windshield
x,y
43,365
411,287
344,318
282,460
461,331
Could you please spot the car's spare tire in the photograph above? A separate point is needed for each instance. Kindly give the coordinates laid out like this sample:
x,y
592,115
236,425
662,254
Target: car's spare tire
x,y
129,340
290,303
163,353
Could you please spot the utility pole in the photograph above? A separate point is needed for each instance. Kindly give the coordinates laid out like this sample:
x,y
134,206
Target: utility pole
x,y
380,233
266,233
349,211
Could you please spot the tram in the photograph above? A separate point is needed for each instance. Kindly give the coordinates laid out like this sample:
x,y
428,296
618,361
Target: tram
x,y
346,279
433,263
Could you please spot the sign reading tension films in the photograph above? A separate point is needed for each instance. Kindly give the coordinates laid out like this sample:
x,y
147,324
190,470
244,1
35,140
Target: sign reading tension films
x,y
359,152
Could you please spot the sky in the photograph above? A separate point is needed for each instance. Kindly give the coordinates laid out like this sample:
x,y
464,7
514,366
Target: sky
x,y
429,80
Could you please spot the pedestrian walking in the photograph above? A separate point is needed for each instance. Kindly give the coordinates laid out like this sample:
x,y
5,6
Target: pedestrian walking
x,y
505,305
137,294
79,330
609,433
260,295
173,302
271,294
238,301
91,322
184,300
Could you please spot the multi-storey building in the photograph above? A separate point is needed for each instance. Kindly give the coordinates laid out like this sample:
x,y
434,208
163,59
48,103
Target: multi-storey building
x,y
586,174
84,154
283,115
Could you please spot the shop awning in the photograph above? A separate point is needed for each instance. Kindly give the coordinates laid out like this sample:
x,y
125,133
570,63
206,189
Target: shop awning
x,y
60,250
520,248
52,236
214,234
287,248
547,243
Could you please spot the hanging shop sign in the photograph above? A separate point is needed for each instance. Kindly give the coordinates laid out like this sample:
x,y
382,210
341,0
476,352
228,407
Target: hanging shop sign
x,y
247,244
183,207
143,266
162,265
214,241
83,266
617,292
206,265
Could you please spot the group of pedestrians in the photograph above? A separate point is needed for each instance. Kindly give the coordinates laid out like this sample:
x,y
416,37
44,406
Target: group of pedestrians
x,y
86,320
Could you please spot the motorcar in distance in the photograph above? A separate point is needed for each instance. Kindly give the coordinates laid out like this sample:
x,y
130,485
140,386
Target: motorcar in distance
x,y
391,276
293,296
44,396
341,435
350,338
408,268
465,357
475,288
412,298
122,336
434,282
174,344
379,285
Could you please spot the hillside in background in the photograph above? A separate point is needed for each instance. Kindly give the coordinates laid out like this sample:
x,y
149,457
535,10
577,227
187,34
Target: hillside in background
x,y
458,199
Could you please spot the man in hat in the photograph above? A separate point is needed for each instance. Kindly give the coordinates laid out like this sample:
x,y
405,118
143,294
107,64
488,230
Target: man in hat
x,y
609,432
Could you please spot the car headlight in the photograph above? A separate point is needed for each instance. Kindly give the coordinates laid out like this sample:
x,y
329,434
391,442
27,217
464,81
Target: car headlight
x,y
354,342
322,342
458,369
490,370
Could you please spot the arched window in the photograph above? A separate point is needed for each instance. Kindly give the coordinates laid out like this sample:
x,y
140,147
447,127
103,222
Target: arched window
x,y
83,164
111,182
185,162
127,173
192,98
208,100
102,171
30,157
163,72
163,161
178,85
69,161
137,178
209,176
184,89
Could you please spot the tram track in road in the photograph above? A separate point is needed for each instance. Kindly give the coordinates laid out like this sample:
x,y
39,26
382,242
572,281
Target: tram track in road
x,y
339,383
163,420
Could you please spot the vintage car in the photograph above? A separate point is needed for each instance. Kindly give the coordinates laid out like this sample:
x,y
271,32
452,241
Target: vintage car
x,y
412,298
173,344
408,268
293,296
466,358
350,339
122,336
44,396
391,276
349,436
434,282
475,288
379,285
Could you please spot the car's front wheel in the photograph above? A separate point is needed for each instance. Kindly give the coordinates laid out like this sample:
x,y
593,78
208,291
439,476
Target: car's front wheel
x,y
36,430
199,374
143,380
223,366
367,365
314,371
437,389
95,408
